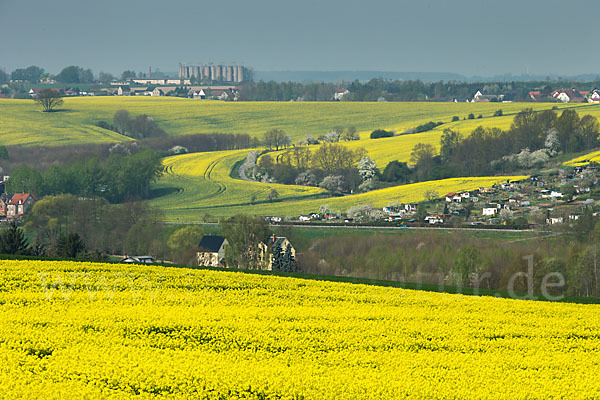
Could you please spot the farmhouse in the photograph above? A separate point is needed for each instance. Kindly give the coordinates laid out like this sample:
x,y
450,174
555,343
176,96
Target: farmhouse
x,y
594,96
211,251
19,204
453,197
122,91
568,96
273,244
4,200
340,93
480,97
198,94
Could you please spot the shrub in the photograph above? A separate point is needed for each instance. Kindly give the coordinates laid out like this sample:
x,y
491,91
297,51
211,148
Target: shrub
x,y
381,133
427,127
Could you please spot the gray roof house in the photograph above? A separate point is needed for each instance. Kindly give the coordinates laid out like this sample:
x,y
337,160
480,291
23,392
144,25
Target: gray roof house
x,y
211,252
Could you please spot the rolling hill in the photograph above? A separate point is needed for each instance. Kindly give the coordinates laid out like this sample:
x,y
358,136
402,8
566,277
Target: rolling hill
x,y
24,124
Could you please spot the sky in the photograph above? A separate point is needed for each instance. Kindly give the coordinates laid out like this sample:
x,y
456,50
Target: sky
x,y
470,37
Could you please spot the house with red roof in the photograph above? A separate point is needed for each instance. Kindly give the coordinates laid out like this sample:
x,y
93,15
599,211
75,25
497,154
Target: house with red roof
x,y
535,95
19,204
594,96
340,93
568,96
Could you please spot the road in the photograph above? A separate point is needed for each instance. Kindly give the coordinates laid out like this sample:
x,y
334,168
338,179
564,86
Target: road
x,y
379,227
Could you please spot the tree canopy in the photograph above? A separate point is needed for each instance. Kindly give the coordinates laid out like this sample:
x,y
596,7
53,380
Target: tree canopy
x,y
49,99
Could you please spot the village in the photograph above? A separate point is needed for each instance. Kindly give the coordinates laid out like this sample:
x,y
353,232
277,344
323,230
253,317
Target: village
x,y
553,198
230,92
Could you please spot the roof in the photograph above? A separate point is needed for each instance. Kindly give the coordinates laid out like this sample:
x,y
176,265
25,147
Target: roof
x,y
211,243
20,198
451,194
571,93
277,241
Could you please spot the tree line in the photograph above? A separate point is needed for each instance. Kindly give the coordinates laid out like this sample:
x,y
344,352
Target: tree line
x,y
140,127
532,140
117,178
400,90
464,260
331,166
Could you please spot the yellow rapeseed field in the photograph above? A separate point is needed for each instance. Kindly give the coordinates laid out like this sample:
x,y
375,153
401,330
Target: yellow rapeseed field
x,y
23,123
199,183
80,330
584,159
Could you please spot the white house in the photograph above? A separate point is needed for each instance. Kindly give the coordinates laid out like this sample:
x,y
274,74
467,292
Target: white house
x,y
568,96
434,219
554,220
594,96
157,92
489,211
411,207
555,195
199,94
212,251
340,93
450,197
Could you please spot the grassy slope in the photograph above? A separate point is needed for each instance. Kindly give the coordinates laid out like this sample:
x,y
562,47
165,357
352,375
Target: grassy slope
x,y
199,183
76,123
153,331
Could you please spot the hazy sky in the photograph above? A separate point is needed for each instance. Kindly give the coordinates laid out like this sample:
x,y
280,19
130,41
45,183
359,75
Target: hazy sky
x,y
472,37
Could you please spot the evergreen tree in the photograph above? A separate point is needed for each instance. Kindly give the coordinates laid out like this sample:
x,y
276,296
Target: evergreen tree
x,y
70,246
13,241
278,259
289,262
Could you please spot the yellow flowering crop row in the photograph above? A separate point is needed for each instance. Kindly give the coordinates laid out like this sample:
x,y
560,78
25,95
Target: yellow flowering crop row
x,y
83,330
200,183
585,159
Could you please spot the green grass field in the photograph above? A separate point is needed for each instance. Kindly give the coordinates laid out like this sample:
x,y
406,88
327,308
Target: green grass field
x,y
23,123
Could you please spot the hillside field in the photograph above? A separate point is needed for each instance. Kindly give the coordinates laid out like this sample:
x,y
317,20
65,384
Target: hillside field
x,y
23,123
199,183
83,330
584,159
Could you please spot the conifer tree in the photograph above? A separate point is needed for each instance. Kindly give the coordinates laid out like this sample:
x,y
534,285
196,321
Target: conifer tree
x,y
289,262
278,258
13,241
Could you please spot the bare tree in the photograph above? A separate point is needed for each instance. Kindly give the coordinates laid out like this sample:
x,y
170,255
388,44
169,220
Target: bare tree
x,y
49,99
276,138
